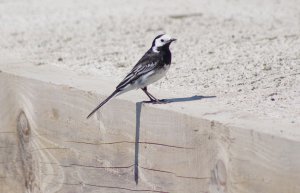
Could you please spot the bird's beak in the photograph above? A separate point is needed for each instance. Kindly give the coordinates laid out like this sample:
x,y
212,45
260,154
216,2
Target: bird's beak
x,y
172,39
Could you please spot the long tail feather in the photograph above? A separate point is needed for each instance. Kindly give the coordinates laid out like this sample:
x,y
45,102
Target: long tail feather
x,y
101,104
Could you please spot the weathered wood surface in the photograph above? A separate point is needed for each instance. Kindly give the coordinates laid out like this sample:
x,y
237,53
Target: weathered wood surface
x,y
47,145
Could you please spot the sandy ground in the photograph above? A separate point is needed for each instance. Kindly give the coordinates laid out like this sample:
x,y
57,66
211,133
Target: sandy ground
x,y
247,53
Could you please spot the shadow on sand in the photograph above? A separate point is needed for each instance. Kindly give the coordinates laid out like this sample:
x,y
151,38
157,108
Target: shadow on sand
x,y
138,123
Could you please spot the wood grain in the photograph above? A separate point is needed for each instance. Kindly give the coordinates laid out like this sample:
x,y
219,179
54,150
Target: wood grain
x,y
47,145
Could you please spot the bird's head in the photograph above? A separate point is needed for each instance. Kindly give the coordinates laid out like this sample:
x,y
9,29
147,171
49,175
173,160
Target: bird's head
x,y
161,41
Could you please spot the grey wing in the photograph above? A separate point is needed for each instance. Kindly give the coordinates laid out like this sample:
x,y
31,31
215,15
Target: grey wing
x,y
145,65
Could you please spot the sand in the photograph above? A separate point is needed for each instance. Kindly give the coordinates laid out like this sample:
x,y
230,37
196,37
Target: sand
x,y
246,53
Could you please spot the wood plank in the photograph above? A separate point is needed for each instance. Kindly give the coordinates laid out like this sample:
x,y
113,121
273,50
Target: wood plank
x,y
47,145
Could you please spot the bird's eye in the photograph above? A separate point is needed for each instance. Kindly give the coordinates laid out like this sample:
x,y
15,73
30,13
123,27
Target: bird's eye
x,y
162,40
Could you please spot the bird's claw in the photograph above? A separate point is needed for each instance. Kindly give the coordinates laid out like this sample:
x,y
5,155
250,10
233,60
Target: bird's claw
x,y
163,101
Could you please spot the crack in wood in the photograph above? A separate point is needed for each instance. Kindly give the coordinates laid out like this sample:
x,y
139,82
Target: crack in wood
x,y
126,167
89,166
123,188
104,167
141,142
111,187
164,171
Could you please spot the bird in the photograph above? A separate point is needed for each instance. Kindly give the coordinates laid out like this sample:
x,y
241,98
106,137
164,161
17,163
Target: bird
x,y
153,66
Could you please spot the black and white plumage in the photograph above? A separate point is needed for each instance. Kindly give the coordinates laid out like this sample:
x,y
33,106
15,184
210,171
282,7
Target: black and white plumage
x,y
149,69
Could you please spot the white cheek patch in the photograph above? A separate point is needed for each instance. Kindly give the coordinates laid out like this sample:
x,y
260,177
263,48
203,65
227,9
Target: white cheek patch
x,y
159,43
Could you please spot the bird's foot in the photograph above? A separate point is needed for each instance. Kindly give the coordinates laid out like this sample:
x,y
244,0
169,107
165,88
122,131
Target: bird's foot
x,y
163,101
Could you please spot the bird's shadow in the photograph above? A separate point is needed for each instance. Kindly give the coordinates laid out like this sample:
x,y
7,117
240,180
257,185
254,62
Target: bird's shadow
x,y
182,99
138,124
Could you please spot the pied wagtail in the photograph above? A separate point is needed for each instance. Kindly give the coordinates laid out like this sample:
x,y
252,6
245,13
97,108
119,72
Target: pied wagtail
x,y
150,68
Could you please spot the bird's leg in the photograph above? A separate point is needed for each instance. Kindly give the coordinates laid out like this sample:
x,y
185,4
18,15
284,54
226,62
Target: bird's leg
x,y
152,98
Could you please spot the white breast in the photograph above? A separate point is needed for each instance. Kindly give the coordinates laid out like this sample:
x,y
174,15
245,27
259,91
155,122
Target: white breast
x,y
151,77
